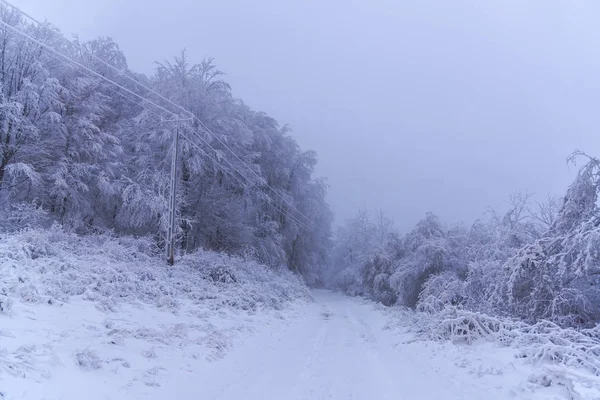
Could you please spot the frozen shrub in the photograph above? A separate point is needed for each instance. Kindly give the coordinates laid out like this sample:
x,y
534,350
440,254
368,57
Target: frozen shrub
x,y
222,274
441,290
110,271
451,323
555,278
14,217
88,360
150,353
5,304
543,341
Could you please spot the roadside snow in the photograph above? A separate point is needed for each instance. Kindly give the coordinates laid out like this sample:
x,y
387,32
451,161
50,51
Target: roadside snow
x,y
522,361
105,318
75,350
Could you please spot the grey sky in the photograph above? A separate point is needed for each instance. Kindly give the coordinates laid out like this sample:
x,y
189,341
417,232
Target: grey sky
x,y
412,106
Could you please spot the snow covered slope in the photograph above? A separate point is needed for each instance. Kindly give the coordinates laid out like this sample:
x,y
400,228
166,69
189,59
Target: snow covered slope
x,y
102,318
97,318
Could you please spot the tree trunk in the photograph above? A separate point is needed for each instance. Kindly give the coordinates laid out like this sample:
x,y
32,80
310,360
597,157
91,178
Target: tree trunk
x,y
2,170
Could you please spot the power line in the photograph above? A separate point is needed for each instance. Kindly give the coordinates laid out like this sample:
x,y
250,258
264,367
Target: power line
x,y
117,70
275,205
200,122
94,73
227,171
59,56
68,59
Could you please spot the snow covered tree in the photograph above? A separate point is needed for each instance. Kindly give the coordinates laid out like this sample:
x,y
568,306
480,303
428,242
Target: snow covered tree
x,y
95,156
28,104
555,277
534,265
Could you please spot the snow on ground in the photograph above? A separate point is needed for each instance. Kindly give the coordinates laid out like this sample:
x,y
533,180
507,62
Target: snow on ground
x,y
98,319
103,318
344,348
76,351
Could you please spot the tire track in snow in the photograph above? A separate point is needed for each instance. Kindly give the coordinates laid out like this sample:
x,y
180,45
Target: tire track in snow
x,y
337,349
370,347
277,363
307,379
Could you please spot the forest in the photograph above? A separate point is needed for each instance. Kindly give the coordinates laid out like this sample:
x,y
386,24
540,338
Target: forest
x,y
92,155
538,261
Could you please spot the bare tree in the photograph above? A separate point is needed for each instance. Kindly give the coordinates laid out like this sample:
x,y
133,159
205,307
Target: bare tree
x,y
545,213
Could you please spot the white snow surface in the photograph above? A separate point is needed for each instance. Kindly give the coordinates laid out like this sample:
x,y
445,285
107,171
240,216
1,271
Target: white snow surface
x,y
261,336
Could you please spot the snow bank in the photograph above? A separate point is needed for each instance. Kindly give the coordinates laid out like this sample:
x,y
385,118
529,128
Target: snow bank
x,y
544,341
566,357
53,266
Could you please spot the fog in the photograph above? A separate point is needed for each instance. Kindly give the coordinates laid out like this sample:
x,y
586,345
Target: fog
x,y
411,106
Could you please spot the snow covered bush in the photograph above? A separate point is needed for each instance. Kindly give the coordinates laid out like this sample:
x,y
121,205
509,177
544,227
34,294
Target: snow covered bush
x,y
539,342
371,259
54,265
440,290
361,260
557,277
457,325
14,217
5,304
88,360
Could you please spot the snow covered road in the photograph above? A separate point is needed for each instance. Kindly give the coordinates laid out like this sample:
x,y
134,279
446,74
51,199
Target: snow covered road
x,y
337,348
340,348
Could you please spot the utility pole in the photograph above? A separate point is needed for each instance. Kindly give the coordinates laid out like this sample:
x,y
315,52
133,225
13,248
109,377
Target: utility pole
x,y
173,194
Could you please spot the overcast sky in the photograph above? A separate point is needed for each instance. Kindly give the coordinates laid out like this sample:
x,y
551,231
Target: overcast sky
x,y
412,106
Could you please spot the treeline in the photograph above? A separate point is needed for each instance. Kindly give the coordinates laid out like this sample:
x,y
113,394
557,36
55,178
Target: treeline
x,y
539,261
90,155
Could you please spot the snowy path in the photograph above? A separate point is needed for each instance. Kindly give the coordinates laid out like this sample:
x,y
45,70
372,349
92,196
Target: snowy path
x,y
339,349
